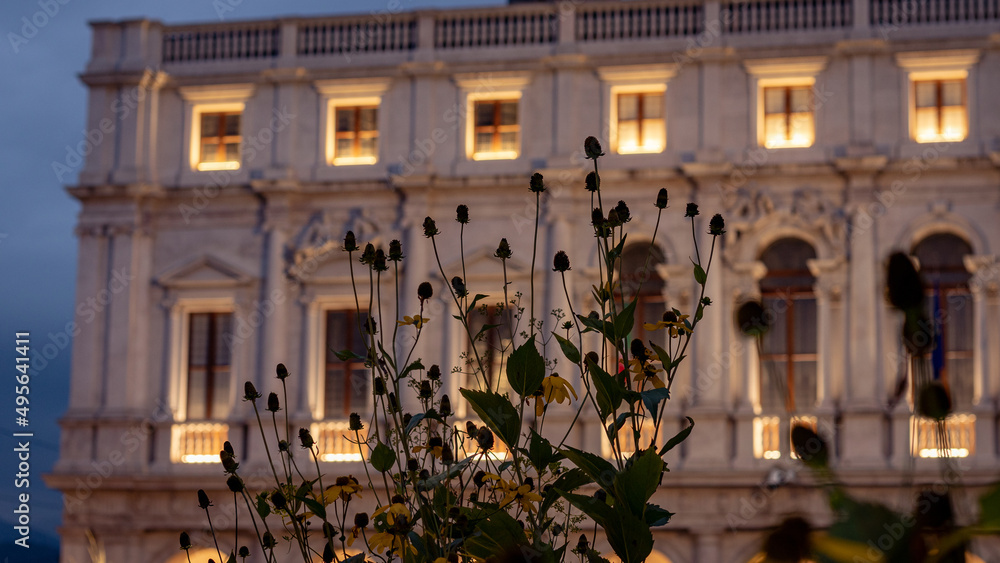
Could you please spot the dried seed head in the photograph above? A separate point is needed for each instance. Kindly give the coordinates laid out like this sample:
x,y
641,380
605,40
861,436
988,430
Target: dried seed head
x,y
273,404
203,501
459,286
185,541
368,256
430,227
536,185
592,148
434,373
281,371
503,250
234,483
593,182
445,407
350,243
717,225
395,250
250,392
361,519
691,210
355,422
662,198
624,215
306,438
462,214
425,291
560,263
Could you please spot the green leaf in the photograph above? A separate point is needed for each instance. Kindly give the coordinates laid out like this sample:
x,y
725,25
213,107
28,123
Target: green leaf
x,y
609,392
495,535
625,320
600,325
359,558
699,274
232,558
525,368
569,481
382,458
540,451
597,468
651,399
678,438
497,413
661,354
345,355
413,365
619,422
989,509
414,421
433,481
656,516
317,508
635,485
568,349
263,508
475,301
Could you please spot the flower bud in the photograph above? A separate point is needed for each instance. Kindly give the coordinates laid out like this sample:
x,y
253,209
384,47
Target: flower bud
x,y
430,227
583,546
328,555
905,290
203,499
279,501
371,326
485,438
594,358
503,250
447,456
185,541
350,243
305,437
691,210
228,448
593,182
355,422
283,445
470,428
596,217
379,386
662,198
717,225
395,250
459,286
638,350
407,417
234,483
229,464
434,373
244,552
613,218
537,185
273,404
624,215
268,541
412,464
592,147
445,407
425,291
393,403
560,263
378,263
425,390
281,371
462,214
368,256
478,479
424,475
361,519
250,392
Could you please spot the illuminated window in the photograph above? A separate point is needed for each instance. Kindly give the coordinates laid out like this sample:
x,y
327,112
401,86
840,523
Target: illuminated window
x,y
219,146
640,122
788,116
496,129
355,134
345,381
788,349
939,110
640,279
209,371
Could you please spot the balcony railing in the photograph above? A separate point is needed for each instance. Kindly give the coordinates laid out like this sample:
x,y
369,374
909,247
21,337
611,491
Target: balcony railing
x,y
245,41
335,441
636,20
478,29
955,437
786,15
929,12
348,36
198,442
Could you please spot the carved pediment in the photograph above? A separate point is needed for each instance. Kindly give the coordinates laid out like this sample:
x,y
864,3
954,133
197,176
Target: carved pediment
x,y
480,263
204,271
321,240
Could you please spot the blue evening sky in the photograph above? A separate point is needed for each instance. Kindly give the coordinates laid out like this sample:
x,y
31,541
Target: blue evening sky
x,y
43,105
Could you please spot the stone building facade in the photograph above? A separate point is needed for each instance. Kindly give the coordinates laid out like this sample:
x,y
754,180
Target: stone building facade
x,y
231,158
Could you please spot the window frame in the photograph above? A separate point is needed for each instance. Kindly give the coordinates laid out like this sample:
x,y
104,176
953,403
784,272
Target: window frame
x,y
472,129
765,84
938,78
332,135
209,371
918,66
351,92
641,90
200,110
325,363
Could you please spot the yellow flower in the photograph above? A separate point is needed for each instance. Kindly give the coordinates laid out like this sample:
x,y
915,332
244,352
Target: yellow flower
x,y
387,541
677,327
521,494
415,320
434,445
392,511
554,388
648,375
343,488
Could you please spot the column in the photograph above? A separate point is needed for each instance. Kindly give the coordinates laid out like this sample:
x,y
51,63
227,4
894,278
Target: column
x,y
985,289
272,307
744,362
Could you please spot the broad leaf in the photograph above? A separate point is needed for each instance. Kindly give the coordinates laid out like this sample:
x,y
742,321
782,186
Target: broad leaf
x,y
678,438
699,274
540,452
414,421
651,399
495,535
525,369
597,468
569,481
568,349
656,516
497,413
625,320
636,484
382,458
609,392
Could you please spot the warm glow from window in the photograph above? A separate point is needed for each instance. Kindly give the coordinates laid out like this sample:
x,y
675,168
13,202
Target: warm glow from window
x,y
955,438
336,441
219,141
354,136
788,116
197,442
640,125
939,110
496,129
626,439
767,437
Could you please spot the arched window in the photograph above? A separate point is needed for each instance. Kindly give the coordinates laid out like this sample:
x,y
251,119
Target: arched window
x,y
949,303
639,278
788,350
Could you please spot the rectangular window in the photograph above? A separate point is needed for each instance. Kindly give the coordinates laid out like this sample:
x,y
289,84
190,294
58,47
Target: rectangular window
x,y
640,122
355,135
788,360
788,116
219,141
209,368
496,129
939,110
346,381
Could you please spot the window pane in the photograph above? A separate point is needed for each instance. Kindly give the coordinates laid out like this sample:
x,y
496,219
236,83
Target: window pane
x,y
804,335
628,106
223,338
220,394
652,106
484,114
209,125
805,385
775,127
508,113
345,119
334,404
927,125
953,122
368,119
198,348
960,383
926,94
803,131
958,322
772,385
653,134
951,93
232,151
628,135
508,141
801,99
345,147
233,124
775,339
209,152
196,393
368,147
484,142
774,100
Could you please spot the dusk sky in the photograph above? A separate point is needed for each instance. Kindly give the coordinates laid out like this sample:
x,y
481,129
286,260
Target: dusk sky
x,y
43,108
